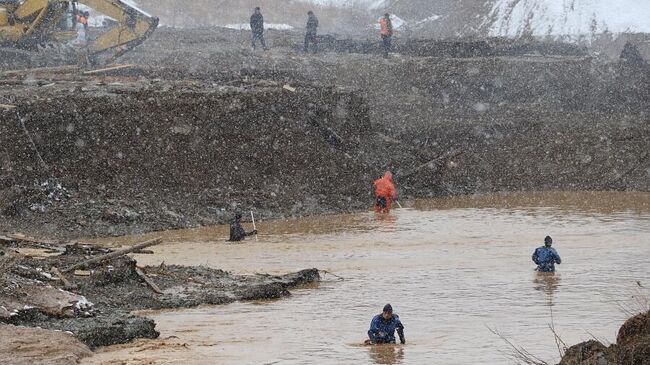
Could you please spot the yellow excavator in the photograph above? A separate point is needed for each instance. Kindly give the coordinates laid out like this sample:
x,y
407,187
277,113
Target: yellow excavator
x,y
40,32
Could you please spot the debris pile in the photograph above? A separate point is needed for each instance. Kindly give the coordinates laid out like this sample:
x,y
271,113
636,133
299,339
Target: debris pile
x,y
90,291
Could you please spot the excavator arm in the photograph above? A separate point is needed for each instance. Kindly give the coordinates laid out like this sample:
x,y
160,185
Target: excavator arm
x,y
134,26
35,21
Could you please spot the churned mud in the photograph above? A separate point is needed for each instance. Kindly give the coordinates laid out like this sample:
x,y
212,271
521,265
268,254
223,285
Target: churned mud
x,y
27,345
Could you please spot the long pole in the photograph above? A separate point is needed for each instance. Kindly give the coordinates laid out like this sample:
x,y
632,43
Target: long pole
x,y
398,204
254,228
113,255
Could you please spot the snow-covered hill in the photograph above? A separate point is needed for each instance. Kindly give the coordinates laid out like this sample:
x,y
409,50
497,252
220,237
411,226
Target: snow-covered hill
x,y
369,4
572,18
576,19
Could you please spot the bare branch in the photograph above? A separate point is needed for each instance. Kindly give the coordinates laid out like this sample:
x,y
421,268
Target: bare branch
x,y
517,353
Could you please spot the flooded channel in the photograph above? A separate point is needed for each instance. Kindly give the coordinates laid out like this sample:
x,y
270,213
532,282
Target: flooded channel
x,y
452,268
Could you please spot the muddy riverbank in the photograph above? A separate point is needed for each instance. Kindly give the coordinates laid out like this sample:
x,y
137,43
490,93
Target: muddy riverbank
x,y
94,301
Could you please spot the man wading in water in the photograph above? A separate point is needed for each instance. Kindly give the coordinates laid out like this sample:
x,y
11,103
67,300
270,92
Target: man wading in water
x,y
546,257
383,326
385,193
237,232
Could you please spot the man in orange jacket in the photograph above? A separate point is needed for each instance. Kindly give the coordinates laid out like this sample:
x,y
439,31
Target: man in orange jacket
x,y
385,193
386,30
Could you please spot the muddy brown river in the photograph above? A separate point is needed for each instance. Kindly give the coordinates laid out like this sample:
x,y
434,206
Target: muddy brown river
x,y
452,268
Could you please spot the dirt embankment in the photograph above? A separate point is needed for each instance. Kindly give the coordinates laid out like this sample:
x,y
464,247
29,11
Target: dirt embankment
x,y
632,346
206,127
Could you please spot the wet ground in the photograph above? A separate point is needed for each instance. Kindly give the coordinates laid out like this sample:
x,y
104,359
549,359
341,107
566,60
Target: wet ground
x,y
452,268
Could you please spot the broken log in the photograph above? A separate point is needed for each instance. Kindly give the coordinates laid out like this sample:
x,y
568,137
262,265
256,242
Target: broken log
x,y
56,69
113,254
66,283
34,242
22,237
144,252
432,163
112,68
148,280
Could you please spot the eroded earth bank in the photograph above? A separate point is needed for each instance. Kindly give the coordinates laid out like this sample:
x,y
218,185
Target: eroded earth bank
x,y
202,126
199,127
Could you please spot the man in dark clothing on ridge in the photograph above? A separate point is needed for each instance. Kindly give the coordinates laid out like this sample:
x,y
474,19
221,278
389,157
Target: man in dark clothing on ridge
x,y
312,28
383,326
257,27
237,232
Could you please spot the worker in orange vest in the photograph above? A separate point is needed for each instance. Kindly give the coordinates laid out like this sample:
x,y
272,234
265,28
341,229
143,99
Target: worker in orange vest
x,y
386,31
82,28
385,193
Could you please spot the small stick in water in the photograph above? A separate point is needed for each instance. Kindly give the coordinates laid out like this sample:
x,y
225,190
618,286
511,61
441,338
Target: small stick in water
x,y
327,272
254,228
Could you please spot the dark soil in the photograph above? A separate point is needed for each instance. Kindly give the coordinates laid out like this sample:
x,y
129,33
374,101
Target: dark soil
x,y
632,346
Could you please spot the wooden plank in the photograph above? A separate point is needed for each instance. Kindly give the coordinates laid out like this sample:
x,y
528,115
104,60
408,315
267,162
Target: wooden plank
x,y
148,280
66,283
107,69
23,237
56,69
114,254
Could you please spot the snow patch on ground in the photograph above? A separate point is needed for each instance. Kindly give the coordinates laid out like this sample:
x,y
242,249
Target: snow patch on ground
x,y
369,4
395,20
573,18
432,18
134,5
246,26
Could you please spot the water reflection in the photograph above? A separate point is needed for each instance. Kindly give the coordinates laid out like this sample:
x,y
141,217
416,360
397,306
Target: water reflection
x,y
386,222
386,354
547,282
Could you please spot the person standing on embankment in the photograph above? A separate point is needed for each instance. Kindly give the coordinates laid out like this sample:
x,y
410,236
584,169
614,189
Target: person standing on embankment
x,y
546,257
385,193
386,31
257,28
312,29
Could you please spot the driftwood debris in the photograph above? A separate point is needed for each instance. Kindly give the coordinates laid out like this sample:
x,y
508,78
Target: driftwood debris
x,y
107,69
27,71
34,242
148,280
113,254
432,163
66,283
144,252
